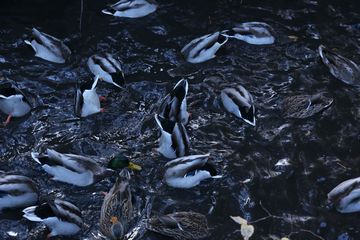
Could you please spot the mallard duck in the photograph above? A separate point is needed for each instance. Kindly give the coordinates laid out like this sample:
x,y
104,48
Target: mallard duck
x,y
174,141
61,217
107,68
173,107
238,101
340,67
346,196
13,102
304,106
17,191
117,210
257,33
203,48
79,170
189,171
48,47
180,225
131,8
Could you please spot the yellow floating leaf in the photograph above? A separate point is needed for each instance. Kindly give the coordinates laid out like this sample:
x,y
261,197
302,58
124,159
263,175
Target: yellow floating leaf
x,y
239,220
247,231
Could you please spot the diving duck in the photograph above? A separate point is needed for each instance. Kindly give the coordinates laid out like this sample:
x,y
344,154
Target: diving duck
x,y
180,225
346,196
304,106
257,33
189,171
238,101
203,48
117,210
13,102
340,67
131,8
173,106
174,141
107,68
61,217
79,170
17,191
48,47
87,101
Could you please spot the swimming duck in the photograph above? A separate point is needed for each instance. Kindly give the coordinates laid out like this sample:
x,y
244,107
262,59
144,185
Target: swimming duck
x,y
17,191
257,33
79,170
304,106
173,107
61,217
107,68
48,47
131,8
346,196
87,101
189,171
174,141
13,102
238,101
340,67
117,210
180,225
203,48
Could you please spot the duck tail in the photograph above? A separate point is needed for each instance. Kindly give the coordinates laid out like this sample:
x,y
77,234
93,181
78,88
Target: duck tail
x,y
118,79
108,11
29,213
217,176
35,156
95,82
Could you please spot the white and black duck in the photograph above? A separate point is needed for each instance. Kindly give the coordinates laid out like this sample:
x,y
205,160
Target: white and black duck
x,y
131,8
340,67
189,171
203,48
173,106
346,196
107,68
17,191
238,101
61,217
79,170
174,141
257,33
48,47
13,101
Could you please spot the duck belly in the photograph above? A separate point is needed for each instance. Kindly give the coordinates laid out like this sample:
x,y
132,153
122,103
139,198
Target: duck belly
x,y
23,200
15,106
59,227
91,103
142,11
45,53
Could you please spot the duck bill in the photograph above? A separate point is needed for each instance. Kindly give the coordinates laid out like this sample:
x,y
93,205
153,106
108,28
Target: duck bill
x,y
134,166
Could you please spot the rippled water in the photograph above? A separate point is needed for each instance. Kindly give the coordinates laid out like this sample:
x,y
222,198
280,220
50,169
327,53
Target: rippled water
x,y
323,150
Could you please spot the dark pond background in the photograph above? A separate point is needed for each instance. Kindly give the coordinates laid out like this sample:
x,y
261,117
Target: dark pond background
x,y
323,150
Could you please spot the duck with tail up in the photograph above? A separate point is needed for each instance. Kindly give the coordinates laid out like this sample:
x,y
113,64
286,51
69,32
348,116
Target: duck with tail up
x,y
107,68
189,171
346,196
173,106
203,48
238,101
48,47
131,8
79,170
61,217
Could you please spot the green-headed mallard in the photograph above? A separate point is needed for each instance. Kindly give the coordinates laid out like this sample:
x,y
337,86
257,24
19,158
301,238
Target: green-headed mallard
x,y
346,196
131,8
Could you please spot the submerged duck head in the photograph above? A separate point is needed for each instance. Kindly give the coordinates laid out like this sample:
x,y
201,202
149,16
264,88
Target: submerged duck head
x,y
120,161
346,196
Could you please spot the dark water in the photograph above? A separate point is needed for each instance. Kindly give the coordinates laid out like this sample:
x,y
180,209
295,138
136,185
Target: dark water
x,y
323,150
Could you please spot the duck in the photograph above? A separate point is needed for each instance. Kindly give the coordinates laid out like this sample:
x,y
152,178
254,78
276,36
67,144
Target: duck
x,y
340,67
304,106
180,225
203,48
173,106
117,210
131,8
61,217
17,191
238,101
48,47
107,68
79,170
346,196
189,171
87,101
174,141
257,33
13,102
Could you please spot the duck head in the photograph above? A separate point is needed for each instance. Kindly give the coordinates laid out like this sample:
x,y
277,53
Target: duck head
x,y
120,161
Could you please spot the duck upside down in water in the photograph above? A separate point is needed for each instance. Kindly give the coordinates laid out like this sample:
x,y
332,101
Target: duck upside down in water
x,y
346,196
131,8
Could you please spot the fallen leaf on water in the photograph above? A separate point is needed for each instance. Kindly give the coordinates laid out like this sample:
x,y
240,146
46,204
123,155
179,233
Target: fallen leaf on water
x,y
239,220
